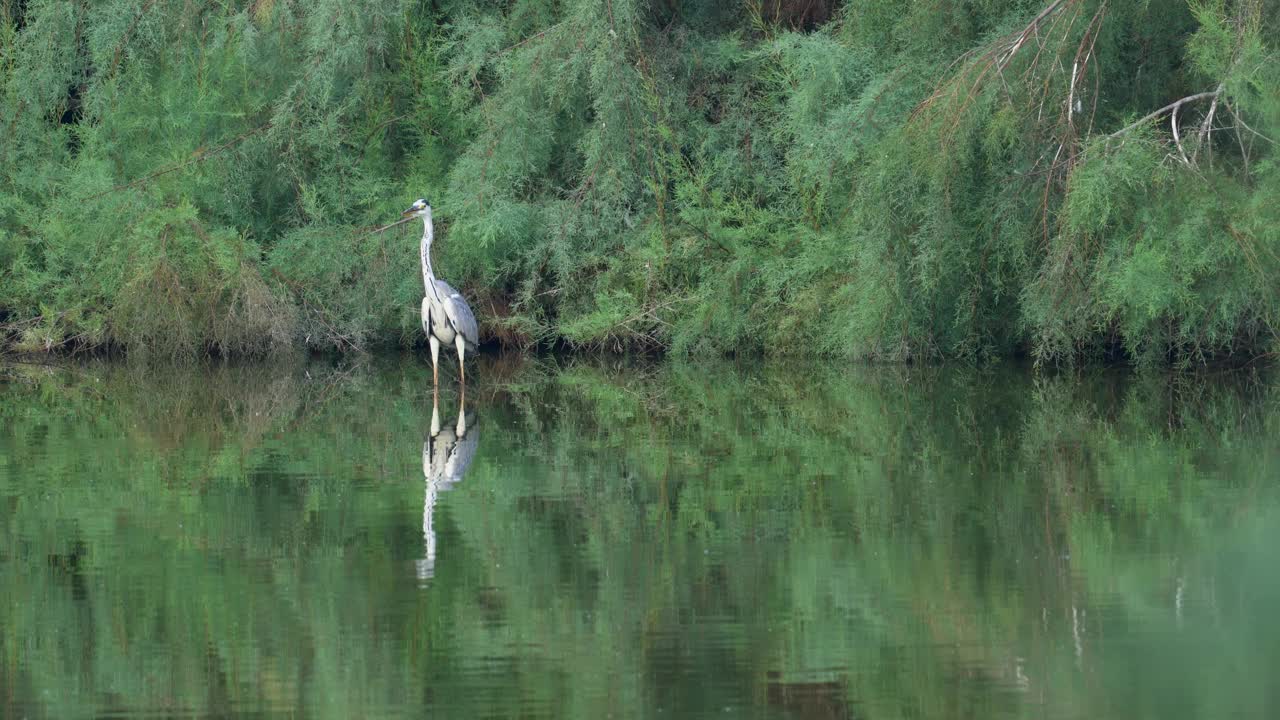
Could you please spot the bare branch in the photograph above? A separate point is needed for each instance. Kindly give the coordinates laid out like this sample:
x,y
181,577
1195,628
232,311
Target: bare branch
x,y
384,228
1206,127
200,155
1173,123
994,61
1245,125
1151,116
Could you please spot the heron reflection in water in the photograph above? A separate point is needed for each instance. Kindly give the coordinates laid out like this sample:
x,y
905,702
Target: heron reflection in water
x,y
446,454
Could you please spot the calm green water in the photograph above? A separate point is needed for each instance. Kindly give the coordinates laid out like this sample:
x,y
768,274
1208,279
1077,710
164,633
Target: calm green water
x,y
675,541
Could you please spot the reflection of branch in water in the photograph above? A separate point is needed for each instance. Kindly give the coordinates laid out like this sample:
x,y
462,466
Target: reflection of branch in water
x,y
332,384
446,454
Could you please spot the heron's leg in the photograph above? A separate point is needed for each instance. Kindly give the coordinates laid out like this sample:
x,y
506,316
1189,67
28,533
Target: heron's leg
x,y
462,350
435,412
435,360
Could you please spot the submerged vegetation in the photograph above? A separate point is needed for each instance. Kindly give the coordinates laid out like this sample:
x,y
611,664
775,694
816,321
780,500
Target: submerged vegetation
x,y
951,178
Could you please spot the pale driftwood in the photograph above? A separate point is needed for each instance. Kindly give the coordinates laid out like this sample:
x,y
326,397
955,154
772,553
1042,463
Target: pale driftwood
x,y
1171,106
1173,125
1206,127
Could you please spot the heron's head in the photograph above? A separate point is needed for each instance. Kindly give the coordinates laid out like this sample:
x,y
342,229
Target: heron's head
x,y
419,208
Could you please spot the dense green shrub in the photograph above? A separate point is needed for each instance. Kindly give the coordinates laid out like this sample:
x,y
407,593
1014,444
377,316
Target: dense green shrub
x,y
870,178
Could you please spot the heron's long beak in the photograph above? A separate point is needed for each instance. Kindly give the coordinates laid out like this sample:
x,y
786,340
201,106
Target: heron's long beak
x,y
408,213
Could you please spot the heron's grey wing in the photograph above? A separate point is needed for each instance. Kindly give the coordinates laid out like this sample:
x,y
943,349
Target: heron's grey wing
x,y
426,315
436,452
460,459
459,313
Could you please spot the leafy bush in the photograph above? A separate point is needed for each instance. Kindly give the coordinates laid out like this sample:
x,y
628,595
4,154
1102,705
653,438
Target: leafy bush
x,y
866,179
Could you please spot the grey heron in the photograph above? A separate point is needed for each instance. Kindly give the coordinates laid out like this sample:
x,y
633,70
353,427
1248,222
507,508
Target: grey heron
x,y
446,317
446,454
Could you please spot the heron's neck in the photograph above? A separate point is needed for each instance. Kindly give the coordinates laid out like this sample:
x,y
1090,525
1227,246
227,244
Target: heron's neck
x,y
428,277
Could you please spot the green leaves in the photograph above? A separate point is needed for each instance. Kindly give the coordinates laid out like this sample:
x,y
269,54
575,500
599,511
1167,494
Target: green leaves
x,y
898,182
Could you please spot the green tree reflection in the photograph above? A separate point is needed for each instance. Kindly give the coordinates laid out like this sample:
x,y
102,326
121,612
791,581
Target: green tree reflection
x,y
781,541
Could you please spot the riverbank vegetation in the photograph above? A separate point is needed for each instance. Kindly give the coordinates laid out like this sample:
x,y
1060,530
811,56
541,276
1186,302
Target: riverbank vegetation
x,y
1068,179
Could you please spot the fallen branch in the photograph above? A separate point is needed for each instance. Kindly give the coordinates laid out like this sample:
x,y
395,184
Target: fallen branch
x,y
1171,106
1206,127
1173,125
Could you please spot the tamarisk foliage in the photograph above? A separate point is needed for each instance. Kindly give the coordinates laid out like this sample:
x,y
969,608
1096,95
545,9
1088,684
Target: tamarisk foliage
x,y
1072,179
